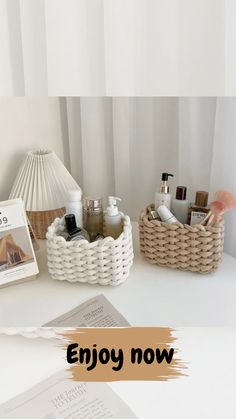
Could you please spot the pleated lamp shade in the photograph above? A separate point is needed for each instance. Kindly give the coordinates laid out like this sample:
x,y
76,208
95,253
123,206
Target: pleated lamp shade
x,y
42,183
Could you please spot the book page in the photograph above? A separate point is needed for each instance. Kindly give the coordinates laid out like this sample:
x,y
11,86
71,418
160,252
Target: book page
x,y
96,312
61,398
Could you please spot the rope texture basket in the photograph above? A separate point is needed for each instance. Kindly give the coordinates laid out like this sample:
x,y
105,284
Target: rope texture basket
x,y
104,262
33,332
40,220
189,248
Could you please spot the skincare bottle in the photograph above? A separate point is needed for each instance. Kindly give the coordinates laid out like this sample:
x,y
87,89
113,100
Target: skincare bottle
x,y
180,205
113,219
74,205
198,210
163,197
93,216
73,233
165,215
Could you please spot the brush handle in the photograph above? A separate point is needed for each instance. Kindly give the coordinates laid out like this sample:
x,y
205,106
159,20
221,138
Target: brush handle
x,y
206,219
211,220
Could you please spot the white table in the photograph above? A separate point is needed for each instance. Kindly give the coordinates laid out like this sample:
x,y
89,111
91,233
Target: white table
x,y
151,296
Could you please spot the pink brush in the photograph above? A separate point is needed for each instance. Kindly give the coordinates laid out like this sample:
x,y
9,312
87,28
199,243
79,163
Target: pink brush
x,y
224,201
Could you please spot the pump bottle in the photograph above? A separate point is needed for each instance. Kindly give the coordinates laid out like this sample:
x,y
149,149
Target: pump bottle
x,y
113,219
163,197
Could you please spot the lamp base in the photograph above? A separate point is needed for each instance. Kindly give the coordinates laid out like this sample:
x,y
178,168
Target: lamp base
x,y
41,220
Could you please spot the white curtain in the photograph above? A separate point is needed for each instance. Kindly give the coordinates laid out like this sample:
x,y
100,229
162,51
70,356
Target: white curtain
x,y
117,47
121,146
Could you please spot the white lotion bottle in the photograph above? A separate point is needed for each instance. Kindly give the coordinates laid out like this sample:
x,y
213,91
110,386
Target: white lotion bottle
x,y
165,215
74,205
113,219
163,197
180,205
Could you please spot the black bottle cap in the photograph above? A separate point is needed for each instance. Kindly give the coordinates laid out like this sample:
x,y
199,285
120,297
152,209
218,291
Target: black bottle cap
x,y
181,192
165,176
70,223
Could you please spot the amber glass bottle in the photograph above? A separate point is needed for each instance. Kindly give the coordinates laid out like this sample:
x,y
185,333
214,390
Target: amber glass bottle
x,y
199,209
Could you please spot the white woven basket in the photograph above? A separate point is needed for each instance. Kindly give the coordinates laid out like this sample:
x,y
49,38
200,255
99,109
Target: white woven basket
x,y
104,262
34,332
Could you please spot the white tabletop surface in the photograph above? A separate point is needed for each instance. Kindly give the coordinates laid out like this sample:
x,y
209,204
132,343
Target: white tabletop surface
x,y
151,296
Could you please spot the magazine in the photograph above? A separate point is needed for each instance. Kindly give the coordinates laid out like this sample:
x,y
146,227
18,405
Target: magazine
x,y
17,257
96,312
61,397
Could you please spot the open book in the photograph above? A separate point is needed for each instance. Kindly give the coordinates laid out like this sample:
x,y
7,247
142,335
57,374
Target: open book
x,y
95,312
60,397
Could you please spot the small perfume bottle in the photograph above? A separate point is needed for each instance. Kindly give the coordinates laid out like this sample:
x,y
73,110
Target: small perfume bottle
x,y
198,210
73,233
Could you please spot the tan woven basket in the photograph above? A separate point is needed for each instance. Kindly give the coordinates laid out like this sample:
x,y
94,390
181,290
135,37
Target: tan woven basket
x,y
189,248
40,220
104,262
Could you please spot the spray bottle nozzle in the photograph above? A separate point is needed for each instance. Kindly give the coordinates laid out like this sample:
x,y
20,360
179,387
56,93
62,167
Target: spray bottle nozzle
x,y
165,176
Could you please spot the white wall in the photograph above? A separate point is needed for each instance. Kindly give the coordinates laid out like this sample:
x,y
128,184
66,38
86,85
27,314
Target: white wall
x,y
25,124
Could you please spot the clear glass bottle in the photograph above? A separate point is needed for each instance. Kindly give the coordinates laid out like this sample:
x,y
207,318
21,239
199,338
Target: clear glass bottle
x,y
93,216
